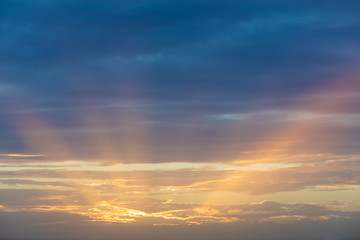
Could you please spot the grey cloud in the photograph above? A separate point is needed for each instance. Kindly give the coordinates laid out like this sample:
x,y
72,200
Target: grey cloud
x,y
31,198
34,226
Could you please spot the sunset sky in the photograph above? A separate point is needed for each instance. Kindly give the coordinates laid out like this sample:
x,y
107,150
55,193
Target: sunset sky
x,y
169,119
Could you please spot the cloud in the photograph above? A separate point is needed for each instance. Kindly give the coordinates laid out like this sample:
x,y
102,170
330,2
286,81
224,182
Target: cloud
x,y
162,69
21,155
38,198
236,82
151,211
204,41
325,174
36,225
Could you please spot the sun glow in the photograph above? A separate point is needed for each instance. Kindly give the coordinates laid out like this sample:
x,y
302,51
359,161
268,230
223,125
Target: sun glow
x,y
129,186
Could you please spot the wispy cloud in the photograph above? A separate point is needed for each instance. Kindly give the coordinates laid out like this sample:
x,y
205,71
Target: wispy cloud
x,y
16,155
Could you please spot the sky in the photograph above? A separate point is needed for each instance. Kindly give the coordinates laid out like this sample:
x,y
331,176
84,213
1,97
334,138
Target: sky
x,y
167,119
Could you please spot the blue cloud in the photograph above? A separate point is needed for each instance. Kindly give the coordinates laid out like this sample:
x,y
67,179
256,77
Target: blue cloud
x,y
200,58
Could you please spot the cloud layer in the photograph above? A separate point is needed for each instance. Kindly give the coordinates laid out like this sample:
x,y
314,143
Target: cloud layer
x,y
151,119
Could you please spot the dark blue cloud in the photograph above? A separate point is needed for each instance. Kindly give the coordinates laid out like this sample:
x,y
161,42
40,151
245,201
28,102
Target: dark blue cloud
x,y
180,62
173,43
